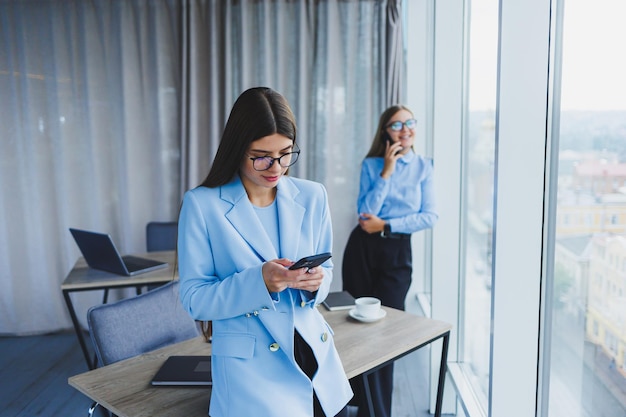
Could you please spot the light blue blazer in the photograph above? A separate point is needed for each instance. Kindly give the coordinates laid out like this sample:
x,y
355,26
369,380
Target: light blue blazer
x,y
221,249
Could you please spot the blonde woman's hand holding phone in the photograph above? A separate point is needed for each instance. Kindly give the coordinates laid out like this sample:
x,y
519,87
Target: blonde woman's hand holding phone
x,y
392,154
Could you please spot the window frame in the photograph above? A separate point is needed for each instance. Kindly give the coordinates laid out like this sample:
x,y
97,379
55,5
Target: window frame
x,y
524,94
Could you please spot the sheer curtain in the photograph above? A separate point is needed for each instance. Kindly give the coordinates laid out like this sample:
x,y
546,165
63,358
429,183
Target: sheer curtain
x,y
89,139
112,109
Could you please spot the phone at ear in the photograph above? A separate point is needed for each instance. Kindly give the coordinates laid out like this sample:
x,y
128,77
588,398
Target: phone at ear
x,y
391,142
311,261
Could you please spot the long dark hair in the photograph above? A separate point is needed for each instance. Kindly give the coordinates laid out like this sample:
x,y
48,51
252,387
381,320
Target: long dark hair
x,y
258,112
381,136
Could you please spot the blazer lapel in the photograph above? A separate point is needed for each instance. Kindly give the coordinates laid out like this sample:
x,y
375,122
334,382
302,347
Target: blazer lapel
x,y
245,221
247,224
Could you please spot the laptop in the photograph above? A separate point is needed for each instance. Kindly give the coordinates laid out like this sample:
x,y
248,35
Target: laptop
x,y
184,370
100,252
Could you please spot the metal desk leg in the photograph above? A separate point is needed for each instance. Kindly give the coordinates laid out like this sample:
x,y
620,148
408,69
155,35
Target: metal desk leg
x,y
368,394
77,329
443,367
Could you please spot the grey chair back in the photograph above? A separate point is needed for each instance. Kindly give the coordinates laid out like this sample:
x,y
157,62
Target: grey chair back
x,y
140,324
161,236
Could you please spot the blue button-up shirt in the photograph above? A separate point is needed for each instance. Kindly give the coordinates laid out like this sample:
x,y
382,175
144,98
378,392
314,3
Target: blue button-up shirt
x,y
405,200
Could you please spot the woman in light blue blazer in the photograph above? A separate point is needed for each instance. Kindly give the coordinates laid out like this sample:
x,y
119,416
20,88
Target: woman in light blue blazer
x,y
273,353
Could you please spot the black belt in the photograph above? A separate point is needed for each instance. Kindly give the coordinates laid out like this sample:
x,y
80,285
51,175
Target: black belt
x,y
403,236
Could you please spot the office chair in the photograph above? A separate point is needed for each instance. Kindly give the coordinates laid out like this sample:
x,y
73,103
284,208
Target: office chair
x,y
140,324
161,236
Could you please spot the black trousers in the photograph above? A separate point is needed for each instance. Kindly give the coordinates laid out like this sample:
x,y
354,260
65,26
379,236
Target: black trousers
x,y
378,267
307,362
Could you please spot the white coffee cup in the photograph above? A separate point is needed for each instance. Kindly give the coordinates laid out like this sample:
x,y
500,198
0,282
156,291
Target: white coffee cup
x,y
367,307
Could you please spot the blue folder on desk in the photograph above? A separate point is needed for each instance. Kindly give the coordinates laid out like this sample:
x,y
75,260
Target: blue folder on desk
x,y
100,252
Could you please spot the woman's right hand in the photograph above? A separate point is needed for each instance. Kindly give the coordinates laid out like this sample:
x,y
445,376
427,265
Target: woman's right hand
x,y
392,154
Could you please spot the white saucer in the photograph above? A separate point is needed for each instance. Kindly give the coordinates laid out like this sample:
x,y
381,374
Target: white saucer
x,y
352,313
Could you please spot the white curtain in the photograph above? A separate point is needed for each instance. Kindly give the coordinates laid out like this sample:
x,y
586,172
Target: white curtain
x,y
110,110
89,139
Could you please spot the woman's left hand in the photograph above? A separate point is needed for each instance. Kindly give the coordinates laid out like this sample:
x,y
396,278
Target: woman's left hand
x,y
309,279
278,278
371,223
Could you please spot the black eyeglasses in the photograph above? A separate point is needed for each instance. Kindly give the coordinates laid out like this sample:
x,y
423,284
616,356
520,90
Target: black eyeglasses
x,y
263,163
397,126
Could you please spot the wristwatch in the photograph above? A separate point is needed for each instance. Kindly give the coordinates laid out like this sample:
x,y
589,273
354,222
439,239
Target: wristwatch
x,y
386,230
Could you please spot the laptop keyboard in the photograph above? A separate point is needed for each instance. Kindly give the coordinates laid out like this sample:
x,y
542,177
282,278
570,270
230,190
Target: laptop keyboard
x,y
134,263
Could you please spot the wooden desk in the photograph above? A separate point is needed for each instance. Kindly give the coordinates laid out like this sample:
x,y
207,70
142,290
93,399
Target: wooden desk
x,y
124,387
83,278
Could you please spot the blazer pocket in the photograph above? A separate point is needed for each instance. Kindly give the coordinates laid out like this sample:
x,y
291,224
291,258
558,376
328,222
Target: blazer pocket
x,y
233,345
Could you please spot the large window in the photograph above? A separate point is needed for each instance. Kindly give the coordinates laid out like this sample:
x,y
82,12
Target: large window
x,y
588,334
542,239
477,205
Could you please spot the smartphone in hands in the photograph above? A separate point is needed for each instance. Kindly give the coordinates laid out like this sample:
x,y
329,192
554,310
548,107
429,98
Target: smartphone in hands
x,y
311,261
